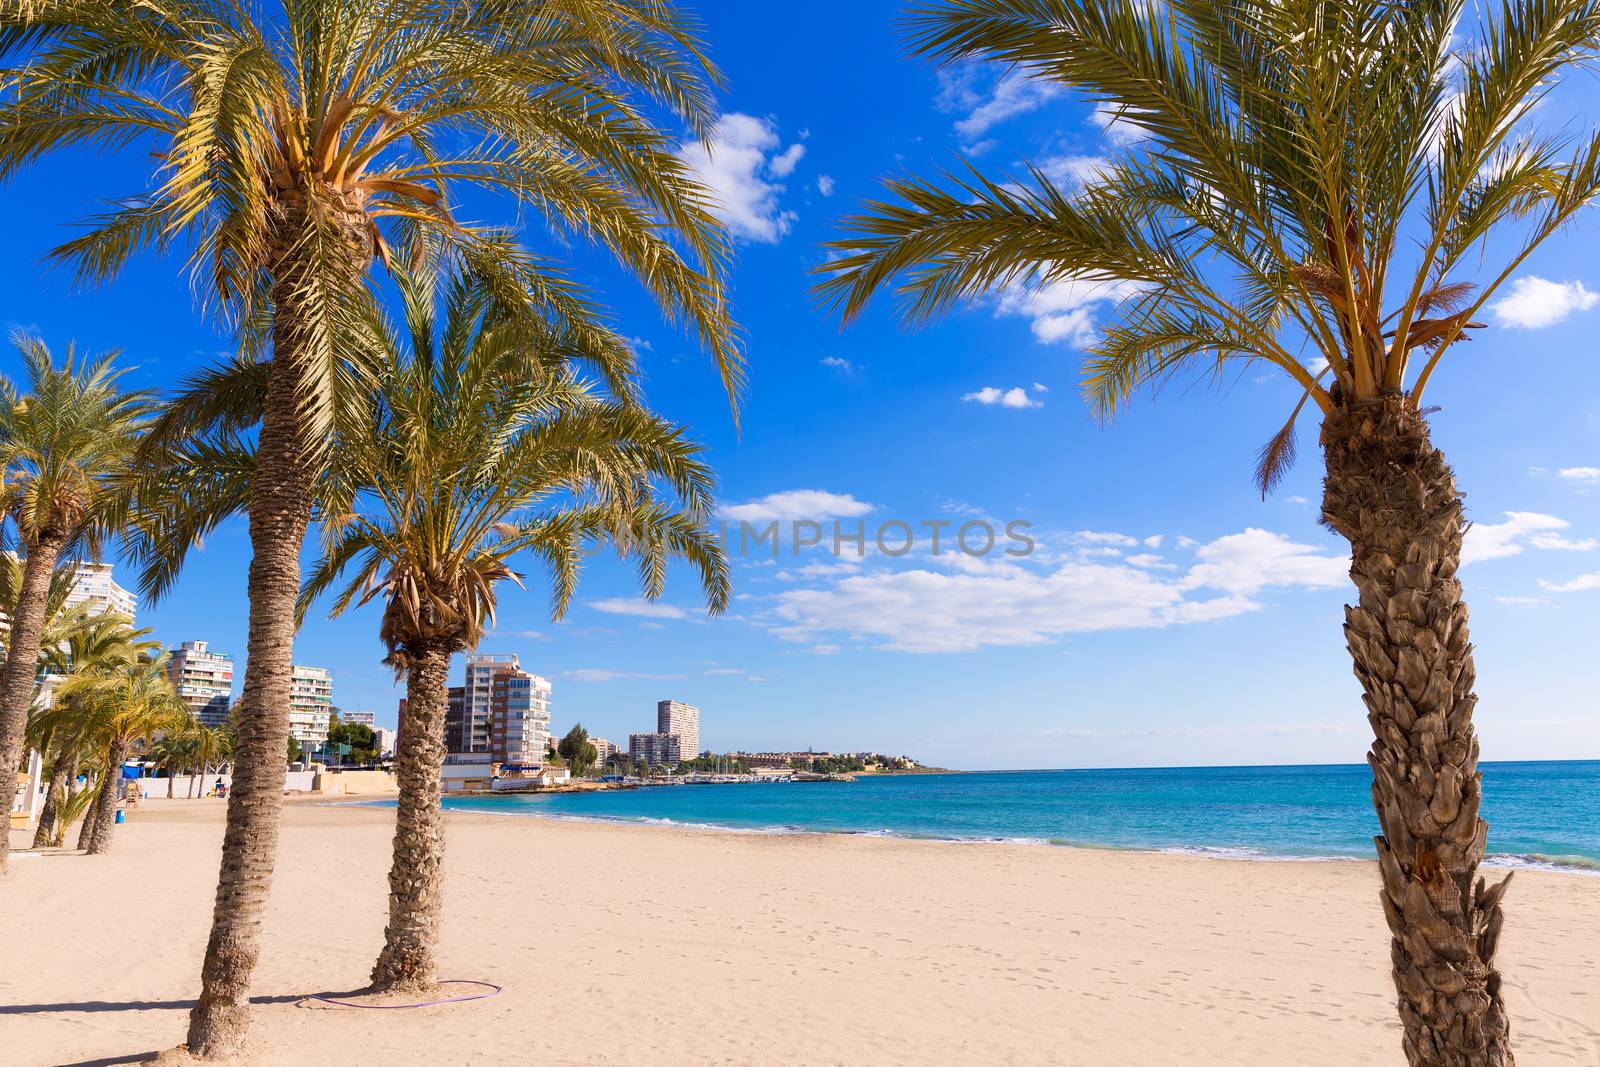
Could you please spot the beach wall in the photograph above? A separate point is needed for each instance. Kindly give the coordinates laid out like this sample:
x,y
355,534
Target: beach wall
x,y
329,783
156,788
355,783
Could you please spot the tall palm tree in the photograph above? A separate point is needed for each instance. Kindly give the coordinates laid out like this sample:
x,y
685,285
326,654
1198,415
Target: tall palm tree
x,y
64,447
469,463
1317,177
295,143
111,708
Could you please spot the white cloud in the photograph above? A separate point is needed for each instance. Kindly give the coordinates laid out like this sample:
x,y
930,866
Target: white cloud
x,y
1154,540
825,184
1534,303
783,164
1040,387
1015,92
1576,585
837,363
798,504
1152,561
597,674
1302,501
1585,475
1065,310
1114,125
1105,537
1486,541
1007,398
741,156
1071,172
1008,603
648,609
1518,601
1255,559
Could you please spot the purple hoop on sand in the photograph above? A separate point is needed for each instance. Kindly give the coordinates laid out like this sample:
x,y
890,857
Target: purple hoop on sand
x,y
492,989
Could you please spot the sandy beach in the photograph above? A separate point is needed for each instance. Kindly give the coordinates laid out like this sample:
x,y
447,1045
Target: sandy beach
x,y
628,944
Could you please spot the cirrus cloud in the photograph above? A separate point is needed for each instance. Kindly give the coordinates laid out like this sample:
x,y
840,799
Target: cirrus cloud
x,y
796,504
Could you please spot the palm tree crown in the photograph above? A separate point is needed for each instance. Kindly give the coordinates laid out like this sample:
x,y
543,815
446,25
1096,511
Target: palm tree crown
x,y
295,138
475,455
1292,155
66,447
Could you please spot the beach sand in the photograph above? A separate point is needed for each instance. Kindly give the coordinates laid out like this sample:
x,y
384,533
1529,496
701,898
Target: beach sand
x,y
633,945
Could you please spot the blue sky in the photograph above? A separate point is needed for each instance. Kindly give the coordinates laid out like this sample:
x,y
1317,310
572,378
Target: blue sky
x,y
1168,615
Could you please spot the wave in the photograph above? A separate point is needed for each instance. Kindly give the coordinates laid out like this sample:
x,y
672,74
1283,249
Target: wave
x,y
1525,861
1535,861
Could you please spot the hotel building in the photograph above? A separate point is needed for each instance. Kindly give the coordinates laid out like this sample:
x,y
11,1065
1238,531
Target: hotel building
x,y
203,680
310,705
655,748
501,711
93,586
673,717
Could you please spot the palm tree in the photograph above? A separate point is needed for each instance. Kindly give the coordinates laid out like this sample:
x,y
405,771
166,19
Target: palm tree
x,y
75,642
111,708
177,750
1318,177
63,449
294,144
212,746
469,463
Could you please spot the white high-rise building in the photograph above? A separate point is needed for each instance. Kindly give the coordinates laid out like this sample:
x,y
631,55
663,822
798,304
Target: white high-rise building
x,y
203,680
360,718
93,586
673,717
310,705
501,710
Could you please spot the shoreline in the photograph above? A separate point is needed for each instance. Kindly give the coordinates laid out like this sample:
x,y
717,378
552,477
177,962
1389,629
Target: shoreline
x,y
1579,866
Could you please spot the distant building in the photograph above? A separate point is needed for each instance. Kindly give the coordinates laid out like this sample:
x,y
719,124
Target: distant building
x,y
673,717
387,740
780,759
501,711
655,748
603,749
310,705
94,587
368,719
203,680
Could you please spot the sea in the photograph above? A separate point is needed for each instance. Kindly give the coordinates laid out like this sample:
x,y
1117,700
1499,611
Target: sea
x,y
1544,814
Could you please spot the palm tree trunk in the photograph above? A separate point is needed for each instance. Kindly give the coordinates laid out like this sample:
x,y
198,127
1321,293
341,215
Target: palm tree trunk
x,y
408,959
21,671
279,513
1390,492
105,816
91,813
61,769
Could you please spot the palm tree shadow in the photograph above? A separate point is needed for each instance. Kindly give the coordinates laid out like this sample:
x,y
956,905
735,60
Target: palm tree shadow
x,y
142,1005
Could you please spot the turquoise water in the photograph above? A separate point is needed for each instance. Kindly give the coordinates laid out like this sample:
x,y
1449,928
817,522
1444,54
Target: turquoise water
x,y
1539,813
